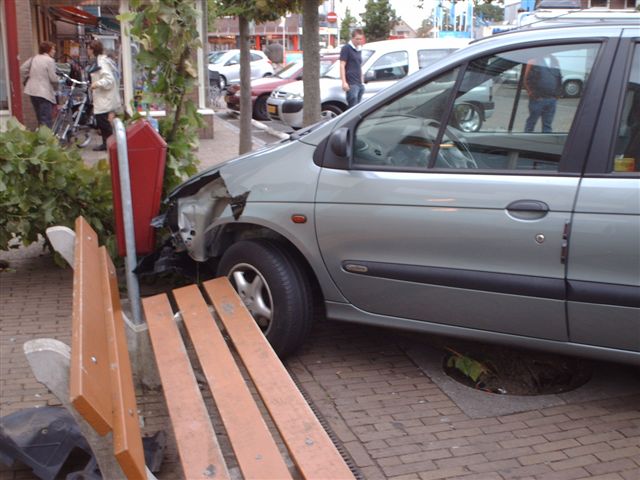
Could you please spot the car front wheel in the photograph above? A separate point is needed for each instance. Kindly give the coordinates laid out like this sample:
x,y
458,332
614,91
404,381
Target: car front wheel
x,y
274,289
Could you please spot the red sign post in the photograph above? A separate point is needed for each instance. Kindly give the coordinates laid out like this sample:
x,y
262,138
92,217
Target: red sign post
x,y
332,17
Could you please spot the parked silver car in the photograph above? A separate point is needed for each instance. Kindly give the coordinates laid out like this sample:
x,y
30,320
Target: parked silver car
x,y
391,215
384,63
224,65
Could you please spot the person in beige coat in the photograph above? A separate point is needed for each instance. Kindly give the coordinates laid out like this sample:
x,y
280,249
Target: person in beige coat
x,y
106,98
42,82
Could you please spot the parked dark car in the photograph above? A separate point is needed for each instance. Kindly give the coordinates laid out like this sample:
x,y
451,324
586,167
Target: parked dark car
x,y
261,88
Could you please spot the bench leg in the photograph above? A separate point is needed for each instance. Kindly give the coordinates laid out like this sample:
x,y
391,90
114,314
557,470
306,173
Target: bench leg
x,y
143,365
49,360
63,240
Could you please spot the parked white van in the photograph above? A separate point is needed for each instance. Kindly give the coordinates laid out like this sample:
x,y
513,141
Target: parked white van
x,y
383,64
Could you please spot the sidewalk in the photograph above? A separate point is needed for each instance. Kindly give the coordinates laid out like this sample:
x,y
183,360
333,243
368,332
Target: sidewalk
x,y
379,391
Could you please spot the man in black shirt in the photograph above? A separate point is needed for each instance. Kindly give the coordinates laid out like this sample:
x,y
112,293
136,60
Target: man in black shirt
x,y
543,81
351,68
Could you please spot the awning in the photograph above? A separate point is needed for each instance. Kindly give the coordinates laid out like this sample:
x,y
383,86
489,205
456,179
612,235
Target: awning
x,y
74,15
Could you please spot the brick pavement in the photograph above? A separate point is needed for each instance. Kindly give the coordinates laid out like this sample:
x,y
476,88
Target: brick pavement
x,y
391,418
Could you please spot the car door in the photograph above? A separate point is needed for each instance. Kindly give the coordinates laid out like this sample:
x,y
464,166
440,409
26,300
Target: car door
x,y
604,249
385,71
433,224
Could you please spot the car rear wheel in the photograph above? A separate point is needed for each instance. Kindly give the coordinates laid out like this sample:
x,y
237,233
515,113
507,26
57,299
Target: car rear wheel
x,y
572,88
274,289
260,108
468,117
330,111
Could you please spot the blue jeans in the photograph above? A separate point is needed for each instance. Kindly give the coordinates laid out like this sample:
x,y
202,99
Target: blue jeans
x,y
354,95
541,107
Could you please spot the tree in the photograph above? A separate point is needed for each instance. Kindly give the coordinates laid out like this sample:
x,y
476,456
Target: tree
x,y
258,11
311,62
379,18
166,31
425,28
489,11
345,27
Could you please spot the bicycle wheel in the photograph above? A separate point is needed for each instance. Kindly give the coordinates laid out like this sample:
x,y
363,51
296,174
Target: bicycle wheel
x,y
66,123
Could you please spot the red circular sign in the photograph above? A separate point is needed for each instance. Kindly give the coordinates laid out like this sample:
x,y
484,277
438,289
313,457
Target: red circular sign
x,y
332,17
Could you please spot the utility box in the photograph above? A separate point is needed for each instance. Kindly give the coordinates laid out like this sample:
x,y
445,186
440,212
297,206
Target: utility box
x,y
147,153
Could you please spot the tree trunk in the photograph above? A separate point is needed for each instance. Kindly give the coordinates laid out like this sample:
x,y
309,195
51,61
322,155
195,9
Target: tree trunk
x,y
245,87
311,59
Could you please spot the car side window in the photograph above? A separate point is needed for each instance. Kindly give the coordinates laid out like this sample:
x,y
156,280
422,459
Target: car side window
x,y
627,149
402,132
514,110
509,111
390,66
428,57
255,57
233,60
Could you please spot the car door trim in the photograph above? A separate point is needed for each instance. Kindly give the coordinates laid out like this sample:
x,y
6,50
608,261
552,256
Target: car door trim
x,y
507,283
530,286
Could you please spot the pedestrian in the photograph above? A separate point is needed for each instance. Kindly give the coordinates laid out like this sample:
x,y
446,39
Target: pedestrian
x,y
106,98
543,81
351,68
41,82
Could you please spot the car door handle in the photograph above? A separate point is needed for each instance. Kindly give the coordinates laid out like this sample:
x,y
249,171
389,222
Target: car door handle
x,y
528,209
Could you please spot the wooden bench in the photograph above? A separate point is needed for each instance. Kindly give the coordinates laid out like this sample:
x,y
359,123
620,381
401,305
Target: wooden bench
x,y
101,388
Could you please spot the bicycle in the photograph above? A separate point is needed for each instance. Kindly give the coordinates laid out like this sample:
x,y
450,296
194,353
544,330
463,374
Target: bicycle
x,y
75,119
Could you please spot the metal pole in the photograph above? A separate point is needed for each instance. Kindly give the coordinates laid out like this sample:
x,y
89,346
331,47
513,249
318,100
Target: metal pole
x,y
127,215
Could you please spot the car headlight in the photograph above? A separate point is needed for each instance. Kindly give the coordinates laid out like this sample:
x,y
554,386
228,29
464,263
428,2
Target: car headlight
x,y
293,96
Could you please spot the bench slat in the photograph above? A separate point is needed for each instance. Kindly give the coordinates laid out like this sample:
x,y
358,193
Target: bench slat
x,y
309,445
198,447
89,367
127,439
256,451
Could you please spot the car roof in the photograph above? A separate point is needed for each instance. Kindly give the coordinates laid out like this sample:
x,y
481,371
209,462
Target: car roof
x,y
417,43
555,18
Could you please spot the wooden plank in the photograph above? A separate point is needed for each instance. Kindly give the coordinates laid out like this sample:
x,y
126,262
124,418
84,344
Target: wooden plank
x,y
127,439
198,447
255,449
309,445
89,369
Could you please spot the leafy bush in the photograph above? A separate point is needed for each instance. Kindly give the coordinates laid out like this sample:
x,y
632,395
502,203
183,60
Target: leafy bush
x,y
42,184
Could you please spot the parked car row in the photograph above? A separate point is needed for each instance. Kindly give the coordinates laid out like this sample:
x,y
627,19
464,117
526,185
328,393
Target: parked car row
x,y
261,88
396,215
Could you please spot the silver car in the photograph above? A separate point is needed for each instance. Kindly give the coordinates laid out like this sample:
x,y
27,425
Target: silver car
x,y
224,65
391,215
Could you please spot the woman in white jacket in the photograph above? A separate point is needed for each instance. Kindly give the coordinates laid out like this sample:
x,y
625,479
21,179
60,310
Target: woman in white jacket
x,y
106,98
41,72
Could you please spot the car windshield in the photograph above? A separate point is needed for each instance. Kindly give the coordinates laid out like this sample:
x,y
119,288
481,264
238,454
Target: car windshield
x,y
215,57
291,70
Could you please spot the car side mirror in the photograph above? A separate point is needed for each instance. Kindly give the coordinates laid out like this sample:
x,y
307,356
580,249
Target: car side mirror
x,y
231,62
299,77
340,142
370,76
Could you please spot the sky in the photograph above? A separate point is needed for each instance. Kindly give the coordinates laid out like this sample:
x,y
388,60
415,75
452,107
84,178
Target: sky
x,y
405,9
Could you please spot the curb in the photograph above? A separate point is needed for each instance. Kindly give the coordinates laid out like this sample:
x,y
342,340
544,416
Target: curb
x,y
261,126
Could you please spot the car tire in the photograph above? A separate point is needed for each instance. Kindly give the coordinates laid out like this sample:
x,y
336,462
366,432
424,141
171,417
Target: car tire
x,y
274,288
330,111
260,108
468,117
222,82
572,88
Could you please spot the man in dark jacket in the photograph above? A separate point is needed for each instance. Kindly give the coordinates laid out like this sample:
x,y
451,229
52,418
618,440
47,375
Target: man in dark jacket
x,y
351,68
543,81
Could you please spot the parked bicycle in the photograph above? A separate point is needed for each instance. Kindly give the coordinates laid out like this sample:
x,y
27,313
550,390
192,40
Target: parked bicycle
x,y
75,119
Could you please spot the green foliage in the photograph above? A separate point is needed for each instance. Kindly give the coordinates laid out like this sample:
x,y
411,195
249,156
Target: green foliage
x,y
379,18
166,31
490,11
345,26
42,185
466,365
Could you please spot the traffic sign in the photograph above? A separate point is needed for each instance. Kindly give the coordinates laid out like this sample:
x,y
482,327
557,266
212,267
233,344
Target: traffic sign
x,y
332,17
